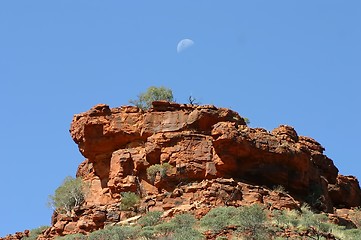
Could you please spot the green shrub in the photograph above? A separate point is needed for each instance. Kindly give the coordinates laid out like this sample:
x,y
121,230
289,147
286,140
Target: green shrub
x,y
340,232
102,234
129,201
69,195
305,220
178,222
286,218
355,216
184,227
150,219
246,120
77,236
34,233
249,220
252,221
115,233
184,221
218,219
152,94
149,232
125,232
222,238
189,234
351,234
279,189
310,219
162,169
165,228
180,227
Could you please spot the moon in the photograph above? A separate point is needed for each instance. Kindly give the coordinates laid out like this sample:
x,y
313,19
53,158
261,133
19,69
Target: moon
x,y
184,44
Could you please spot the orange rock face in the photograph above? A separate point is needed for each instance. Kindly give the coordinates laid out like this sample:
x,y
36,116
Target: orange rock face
x,y
215,159
200,142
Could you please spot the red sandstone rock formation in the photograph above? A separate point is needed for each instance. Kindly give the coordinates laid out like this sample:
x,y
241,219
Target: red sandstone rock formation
x,y
200,142
17,235
216,160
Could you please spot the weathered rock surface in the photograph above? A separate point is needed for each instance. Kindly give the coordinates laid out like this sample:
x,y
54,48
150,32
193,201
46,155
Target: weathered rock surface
x,y
17,235
215,158
200,142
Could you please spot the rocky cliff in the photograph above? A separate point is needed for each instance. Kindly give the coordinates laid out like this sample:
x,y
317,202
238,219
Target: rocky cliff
x,y
215,159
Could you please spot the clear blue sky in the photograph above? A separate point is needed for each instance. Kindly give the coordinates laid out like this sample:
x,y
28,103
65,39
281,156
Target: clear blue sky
x,y
275,62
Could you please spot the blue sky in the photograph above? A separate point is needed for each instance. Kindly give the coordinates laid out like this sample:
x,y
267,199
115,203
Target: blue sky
x,y
275,62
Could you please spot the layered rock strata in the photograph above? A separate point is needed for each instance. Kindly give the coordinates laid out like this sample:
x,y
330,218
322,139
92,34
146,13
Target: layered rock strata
x,y
200,142
214,159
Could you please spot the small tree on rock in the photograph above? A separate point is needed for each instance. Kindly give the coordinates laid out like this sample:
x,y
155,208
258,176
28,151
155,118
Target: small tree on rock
x,y
69,195
162,169
152,94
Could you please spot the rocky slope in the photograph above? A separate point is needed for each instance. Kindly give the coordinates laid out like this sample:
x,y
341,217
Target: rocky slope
x,y
215,158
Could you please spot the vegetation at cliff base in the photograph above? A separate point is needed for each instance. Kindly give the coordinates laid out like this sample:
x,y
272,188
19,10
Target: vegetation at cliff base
x,y
249,219
308,223
152,94
115,233
150,219
69,195
77,236
129,201
252,222
34,233
355,216
182,226
218,219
